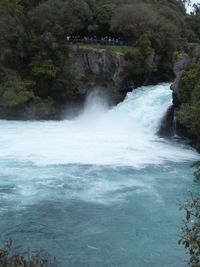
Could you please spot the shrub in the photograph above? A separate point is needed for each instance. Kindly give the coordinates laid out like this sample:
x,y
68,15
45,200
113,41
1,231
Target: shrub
x,y
43,68
8,258
15,92
189,80
141,60
190,237
189,97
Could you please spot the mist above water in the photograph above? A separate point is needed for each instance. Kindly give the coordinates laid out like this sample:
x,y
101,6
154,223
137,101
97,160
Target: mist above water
x,y
122,136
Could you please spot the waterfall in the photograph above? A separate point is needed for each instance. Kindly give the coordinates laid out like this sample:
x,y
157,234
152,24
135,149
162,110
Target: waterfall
x,y
123,135
99,190
175,122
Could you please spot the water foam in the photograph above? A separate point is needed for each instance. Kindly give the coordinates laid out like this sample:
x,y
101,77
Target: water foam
x,y
189,6
122,136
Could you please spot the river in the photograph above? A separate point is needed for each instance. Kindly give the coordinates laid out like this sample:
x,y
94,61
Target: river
x,y
99,190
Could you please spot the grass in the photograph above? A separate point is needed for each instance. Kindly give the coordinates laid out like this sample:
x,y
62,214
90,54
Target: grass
x,y
111,48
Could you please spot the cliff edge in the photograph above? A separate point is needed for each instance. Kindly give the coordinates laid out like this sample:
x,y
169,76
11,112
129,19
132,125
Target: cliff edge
x,y
99,68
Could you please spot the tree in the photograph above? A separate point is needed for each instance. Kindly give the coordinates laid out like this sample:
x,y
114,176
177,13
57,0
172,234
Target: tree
x,y
141,60
189,97
194,22
190,237
82,14
12,33
15,93
102,17
133,20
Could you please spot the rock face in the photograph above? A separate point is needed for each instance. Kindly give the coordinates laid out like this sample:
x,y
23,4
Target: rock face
x,y
170,125
100,68
108,70
181,64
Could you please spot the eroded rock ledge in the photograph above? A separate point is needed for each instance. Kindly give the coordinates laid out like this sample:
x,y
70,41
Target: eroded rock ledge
x,y
98,67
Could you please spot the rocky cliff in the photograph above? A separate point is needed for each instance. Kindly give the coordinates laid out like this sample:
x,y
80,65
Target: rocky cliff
x,y
100,68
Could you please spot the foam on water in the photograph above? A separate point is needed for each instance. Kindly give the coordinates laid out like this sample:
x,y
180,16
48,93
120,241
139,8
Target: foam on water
x,y
122,136
189,5
99,190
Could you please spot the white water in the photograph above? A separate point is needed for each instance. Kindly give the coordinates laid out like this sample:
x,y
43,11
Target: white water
x,y
189,6
122,136
100,190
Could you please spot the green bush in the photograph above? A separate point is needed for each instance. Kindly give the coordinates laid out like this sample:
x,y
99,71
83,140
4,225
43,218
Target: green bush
x,y
189,80
103,15
141,59
189,97
43,68
190,236
189,115
15,93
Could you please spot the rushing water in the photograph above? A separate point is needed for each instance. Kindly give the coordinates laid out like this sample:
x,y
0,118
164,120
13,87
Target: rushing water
x,y
99,190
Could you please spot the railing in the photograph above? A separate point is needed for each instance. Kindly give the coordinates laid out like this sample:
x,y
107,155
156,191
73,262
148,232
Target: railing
x,y
94,41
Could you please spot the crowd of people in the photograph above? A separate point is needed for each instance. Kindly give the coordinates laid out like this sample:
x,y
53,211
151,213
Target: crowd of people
x,y
93,40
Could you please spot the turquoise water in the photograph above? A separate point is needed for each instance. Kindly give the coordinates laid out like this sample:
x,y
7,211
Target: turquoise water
x,y
99,190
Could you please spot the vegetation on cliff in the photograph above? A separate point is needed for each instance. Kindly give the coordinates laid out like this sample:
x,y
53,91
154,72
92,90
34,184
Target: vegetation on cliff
x,y
186,88
34,47
189,98
190,232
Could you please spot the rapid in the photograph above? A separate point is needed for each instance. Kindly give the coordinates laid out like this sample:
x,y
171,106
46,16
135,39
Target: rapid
x,y
99,190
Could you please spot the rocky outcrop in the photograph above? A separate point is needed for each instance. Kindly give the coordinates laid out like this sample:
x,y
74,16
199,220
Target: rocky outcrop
x,y
98,67
183,62
170,126
180,64
108,70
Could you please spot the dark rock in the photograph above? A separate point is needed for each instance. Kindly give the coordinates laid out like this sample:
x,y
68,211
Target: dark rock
x,y
99,67
170,126
167,128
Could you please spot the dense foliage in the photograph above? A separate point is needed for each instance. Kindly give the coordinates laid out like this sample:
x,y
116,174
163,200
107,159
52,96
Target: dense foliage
x,y
35,71
189,97
190,237
141,61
